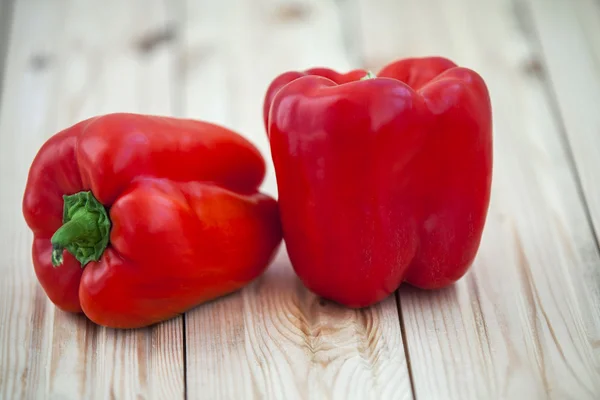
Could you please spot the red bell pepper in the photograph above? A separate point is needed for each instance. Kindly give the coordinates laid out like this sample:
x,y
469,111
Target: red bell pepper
x,y
381,179
138,218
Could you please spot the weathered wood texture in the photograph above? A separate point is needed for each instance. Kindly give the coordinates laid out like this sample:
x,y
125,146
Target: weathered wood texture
x,y
524,323
568,36
274,339
64,65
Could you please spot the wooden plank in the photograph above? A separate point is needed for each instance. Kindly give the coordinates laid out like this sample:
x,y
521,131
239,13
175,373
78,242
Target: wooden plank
x,y
583,136
524,323
6,14
274,339
65,65
25,318
569,38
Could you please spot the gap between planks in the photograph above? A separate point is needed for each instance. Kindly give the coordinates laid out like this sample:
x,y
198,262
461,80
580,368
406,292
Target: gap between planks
x,y
286,342
540,340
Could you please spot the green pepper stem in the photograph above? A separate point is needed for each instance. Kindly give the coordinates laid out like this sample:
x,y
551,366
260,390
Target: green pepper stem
x,y
84,232
369,75
82,228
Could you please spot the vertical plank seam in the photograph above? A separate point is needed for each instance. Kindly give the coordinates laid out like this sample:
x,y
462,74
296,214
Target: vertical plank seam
x,y
184,339
405,345
177,106
350,36
551,96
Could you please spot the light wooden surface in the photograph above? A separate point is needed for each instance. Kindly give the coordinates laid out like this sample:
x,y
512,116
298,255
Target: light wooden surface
x,y
524,323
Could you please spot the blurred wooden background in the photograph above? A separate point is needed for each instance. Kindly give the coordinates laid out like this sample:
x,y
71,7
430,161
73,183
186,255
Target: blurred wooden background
x,y
523,324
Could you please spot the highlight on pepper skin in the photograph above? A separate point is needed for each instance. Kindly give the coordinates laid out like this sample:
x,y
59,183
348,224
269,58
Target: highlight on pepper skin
x,y
382,179
132,235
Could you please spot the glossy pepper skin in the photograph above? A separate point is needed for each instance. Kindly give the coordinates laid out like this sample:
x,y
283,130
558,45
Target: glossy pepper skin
x,y
186,221
381,179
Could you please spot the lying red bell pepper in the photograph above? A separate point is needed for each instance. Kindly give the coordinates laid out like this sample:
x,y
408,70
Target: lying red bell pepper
x,y
138,218
381,179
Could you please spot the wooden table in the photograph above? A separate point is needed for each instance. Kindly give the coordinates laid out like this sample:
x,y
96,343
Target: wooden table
x,y
524,323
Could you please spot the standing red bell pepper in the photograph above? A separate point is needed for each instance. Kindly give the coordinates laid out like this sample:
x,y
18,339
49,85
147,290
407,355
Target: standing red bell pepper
x,y
381,179
138,218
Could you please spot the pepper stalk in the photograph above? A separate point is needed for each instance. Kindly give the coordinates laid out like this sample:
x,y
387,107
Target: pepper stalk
x,y
85,231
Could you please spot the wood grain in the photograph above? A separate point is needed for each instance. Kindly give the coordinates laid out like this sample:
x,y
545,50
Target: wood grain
x,y
65,65
569,39
581,145
274,339
524,322
25,318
